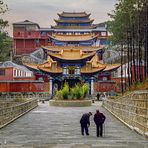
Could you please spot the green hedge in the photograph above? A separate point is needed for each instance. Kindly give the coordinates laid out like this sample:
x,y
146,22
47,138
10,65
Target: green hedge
x,y
78,92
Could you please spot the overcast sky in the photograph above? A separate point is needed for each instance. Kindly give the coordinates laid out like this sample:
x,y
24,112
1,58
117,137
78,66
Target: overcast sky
x,y
44,11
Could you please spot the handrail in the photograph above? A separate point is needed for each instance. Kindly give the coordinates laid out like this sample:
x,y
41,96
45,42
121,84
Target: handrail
x,y
9,114
133,112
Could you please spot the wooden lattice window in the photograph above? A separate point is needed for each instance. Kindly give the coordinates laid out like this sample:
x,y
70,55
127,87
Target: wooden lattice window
x,y
2,72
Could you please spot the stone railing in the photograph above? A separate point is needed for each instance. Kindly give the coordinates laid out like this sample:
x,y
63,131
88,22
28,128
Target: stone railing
x,y
9,111
13,95
131,109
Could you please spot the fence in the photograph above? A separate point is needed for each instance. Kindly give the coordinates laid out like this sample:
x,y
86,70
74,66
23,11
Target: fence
x,y
9,111
131,109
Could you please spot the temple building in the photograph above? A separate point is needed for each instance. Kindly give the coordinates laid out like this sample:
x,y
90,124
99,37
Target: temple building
x,y
71,51
70,29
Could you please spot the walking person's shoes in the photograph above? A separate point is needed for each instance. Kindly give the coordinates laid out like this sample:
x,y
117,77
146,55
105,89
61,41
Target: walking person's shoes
x,y
99,135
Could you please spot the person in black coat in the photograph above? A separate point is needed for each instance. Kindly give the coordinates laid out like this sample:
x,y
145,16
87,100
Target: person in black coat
x,y
98,96
99,119
85,123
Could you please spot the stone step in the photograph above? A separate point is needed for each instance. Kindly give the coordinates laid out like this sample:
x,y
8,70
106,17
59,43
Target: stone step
x,y
57,127
73,145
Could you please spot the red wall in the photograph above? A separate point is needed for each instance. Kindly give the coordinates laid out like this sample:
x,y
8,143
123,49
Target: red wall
x,y
25,78
27,42
106,87
21,84
19,44
137,69
24,46
4,87
45,78
8,74
24,86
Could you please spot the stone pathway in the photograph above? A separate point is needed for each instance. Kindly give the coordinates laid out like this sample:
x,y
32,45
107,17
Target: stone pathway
x,y
57,127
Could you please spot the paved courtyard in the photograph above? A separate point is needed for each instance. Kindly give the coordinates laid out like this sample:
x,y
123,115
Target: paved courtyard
x,y
57,127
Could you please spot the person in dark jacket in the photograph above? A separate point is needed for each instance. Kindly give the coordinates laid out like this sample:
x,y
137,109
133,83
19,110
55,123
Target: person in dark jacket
x,y
98,96
85,123
99,119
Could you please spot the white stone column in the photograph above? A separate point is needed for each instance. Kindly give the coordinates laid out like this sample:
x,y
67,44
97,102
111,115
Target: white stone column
x,y
51,86
92,86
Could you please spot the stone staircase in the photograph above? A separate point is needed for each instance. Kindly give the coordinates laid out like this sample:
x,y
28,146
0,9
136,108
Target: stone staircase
x,y
57,127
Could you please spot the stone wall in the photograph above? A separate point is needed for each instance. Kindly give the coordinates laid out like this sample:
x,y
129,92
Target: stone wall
x,y
132,109
70,103
9,111
36,95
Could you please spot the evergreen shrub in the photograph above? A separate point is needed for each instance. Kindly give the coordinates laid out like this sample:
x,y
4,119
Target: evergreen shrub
x,y
79,92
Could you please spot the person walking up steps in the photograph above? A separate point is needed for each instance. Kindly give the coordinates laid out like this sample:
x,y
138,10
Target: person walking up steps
x,y
99,119
85,123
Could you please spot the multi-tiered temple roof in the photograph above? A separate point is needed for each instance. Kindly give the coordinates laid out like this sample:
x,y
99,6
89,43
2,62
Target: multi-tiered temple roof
x,y
74,50
72,55
75,20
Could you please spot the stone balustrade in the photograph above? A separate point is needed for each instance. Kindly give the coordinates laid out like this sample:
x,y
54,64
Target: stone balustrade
x,y
131,109
13,95
9,111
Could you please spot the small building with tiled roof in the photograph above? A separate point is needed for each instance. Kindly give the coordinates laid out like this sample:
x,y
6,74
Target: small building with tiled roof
x,y
16,78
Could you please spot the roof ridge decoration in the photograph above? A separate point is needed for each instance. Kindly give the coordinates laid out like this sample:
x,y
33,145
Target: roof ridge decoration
x,y
73,27
73,21
50,67
91,66
71,55
65,38
74,14
83,48
80,12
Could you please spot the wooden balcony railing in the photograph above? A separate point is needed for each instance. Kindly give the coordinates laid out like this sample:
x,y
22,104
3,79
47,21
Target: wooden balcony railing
x,y
29,35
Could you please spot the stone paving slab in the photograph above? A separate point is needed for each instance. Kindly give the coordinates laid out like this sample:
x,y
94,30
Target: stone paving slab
x,y
75,146
57,127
